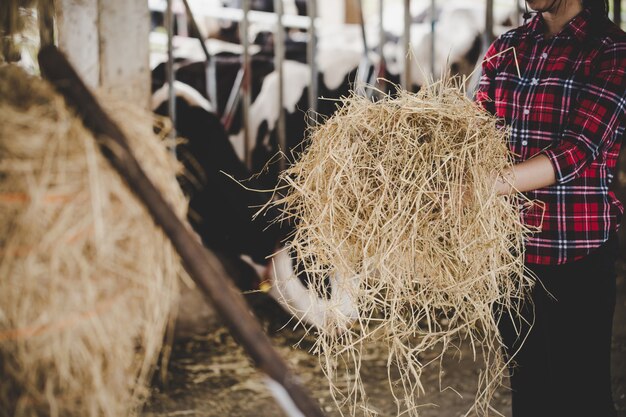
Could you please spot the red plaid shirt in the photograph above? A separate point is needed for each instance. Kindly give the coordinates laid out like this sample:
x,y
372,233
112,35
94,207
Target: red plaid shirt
x,y
570,104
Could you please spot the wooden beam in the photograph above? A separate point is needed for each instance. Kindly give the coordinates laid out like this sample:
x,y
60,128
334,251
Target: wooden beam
x,y
203,267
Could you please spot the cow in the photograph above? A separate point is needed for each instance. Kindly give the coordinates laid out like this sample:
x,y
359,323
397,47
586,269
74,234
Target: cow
x,y
252,249
337,72
221,211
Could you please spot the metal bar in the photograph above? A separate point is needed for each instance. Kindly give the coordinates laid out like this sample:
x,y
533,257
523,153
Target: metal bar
x,y
181,24
364,65
433,36
169,70
196,31
211,73
362,78
378,75
254,16
202,265
311,59
489,22
279,58
211,84
233,101
362,23
405,79
246,85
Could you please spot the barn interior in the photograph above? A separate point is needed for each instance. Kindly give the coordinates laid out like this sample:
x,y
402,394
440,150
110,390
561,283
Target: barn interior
x,y
231,89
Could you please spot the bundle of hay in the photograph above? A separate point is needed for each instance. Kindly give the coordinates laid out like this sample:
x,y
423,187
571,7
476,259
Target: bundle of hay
x,y
87,280
395,197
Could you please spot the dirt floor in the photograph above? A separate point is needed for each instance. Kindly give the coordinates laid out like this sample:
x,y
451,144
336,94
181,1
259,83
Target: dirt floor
x,y
209,375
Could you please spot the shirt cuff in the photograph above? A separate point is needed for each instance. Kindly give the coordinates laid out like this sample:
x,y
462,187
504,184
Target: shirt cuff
x,y
563,162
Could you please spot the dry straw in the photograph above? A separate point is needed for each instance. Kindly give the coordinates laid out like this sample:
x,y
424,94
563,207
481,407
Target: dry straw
x,y
87,281
396,198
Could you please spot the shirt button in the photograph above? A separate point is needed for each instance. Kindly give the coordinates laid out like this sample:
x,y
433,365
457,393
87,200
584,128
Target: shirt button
x,y
544,55
526,111
534,81
524,142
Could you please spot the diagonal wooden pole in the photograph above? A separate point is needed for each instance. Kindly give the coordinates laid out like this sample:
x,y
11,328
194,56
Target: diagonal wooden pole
x,y
203,267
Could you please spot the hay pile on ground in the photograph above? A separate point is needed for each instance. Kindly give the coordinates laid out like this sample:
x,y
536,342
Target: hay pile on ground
x,y
86,279
395,197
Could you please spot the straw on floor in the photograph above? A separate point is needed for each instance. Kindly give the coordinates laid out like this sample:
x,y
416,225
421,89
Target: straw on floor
x,y
87,280
396,198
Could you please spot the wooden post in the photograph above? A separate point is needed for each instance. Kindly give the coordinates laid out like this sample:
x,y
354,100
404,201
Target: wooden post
x,y
202,265
77,22
352,11
108,43
124,29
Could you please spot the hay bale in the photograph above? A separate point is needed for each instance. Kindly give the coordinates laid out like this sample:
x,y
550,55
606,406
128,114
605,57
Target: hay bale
x,y
87,280
395,197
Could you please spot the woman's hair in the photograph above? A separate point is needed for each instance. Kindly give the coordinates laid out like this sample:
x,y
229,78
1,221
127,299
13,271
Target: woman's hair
x,y
599,8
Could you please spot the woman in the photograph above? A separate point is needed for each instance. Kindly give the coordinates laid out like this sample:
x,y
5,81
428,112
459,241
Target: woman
x,y
567,112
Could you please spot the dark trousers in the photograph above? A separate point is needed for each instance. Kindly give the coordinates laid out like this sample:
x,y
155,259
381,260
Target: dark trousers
x,y
562,368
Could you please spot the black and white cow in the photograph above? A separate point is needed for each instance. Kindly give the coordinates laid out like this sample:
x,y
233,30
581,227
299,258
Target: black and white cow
x,y
251,249
334,80
221,212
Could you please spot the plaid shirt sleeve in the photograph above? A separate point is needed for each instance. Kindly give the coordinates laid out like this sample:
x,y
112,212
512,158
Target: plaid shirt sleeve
x,y
485,92
599,113
564,97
